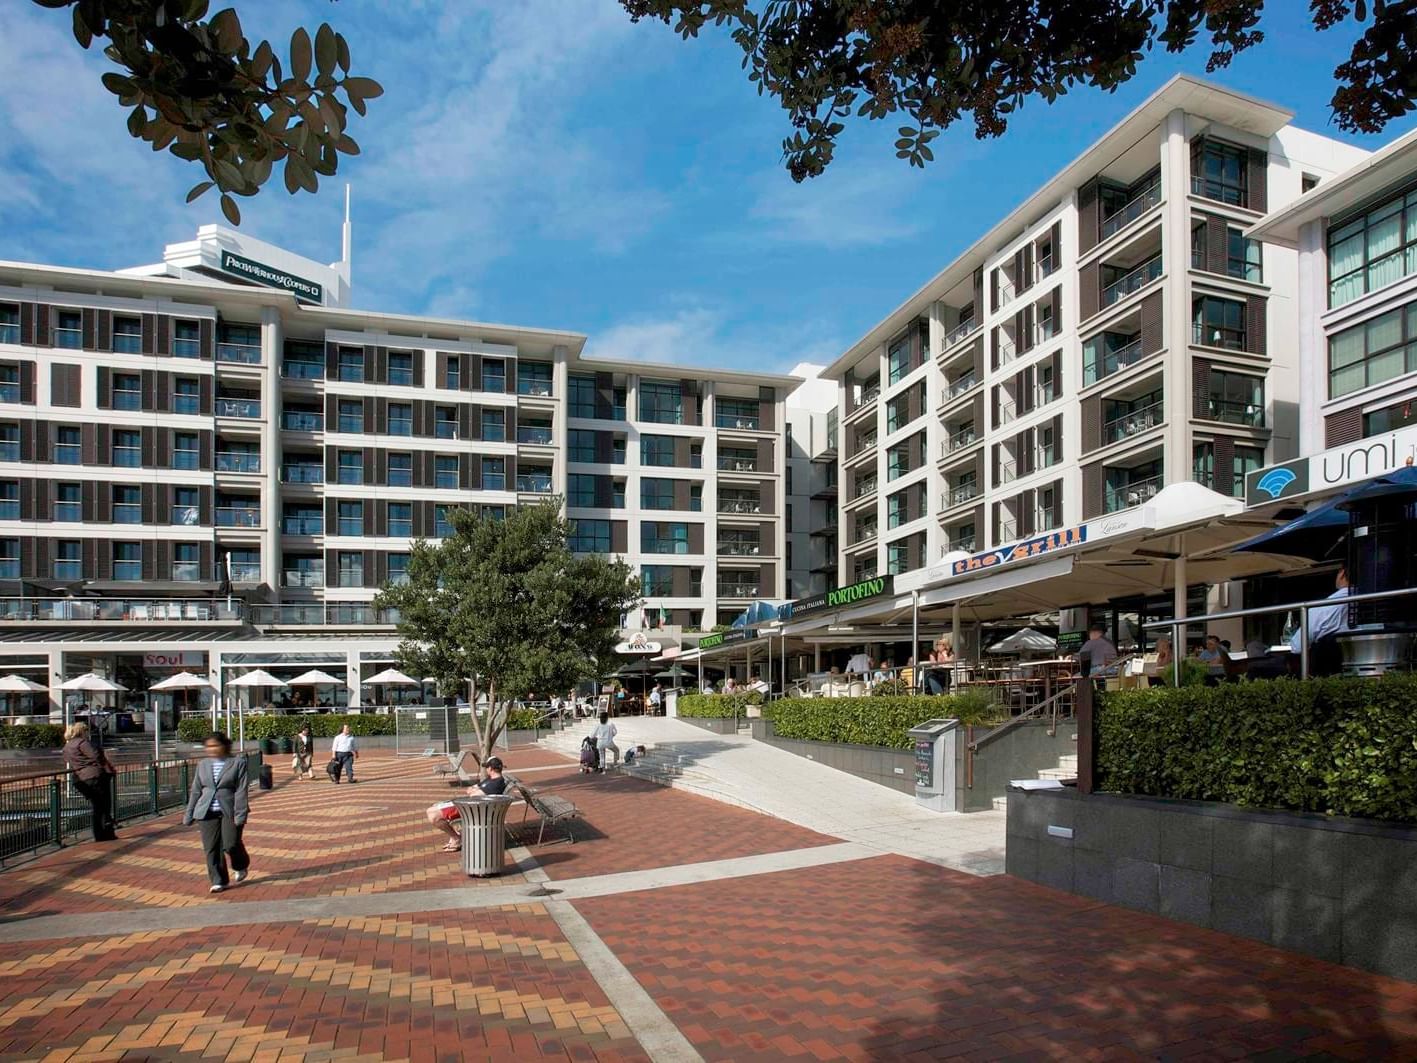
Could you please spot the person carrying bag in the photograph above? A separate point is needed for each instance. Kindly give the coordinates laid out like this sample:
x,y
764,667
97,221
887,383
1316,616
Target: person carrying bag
x,y
93,777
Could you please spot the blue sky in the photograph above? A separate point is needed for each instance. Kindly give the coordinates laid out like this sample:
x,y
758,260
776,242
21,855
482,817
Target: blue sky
x,y
548,163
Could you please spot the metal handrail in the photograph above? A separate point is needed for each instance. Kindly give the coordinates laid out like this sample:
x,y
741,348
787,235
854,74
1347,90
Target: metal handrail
x,y
1050,707
960,331
1131,210
1132,281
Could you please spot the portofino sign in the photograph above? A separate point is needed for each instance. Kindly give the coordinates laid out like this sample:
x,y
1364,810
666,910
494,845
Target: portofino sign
x,y
853,594
726,638
272,278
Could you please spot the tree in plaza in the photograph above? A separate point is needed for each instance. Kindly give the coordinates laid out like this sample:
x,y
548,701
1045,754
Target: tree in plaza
x,y
506,603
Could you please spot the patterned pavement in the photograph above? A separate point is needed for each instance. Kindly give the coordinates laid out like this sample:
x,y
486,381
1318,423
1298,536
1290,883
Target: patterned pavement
x,y
859,958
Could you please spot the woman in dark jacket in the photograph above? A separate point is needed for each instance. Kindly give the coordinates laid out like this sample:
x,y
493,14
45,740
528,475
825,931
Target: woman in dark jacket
x,y
218,805
93,774
304,759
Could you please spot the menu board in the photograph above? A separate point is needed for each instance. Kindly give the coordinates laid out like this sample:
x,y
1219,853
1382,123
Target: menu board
x,y
925,763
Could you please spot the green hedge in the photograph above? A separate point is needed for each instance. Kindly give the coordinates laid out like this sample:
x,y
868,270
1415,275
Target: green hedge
x,y
1341,746
874,721
32,735
717,706
322,725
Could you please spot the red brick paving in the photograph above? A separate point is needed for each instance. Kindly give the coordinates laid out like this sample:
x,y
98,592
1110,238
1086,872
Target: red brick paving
x,y
890,958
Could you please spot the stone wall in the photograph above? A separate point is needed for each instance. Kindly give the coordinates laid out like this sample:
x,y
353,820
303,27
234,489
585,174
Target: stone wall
x,y
888,767
1018,753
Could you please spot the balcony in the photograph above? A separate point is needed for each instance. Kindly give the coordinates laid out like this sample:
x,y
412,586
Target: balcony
x,y
870,393
238,461
747,423
959,495
1114,361
449,430
964,544
1047,266
245,571
1249,414
117,610
965,328
737,464
533,434
1219,191
1133,423
537,389
534,483
302,525
350,614
1230,339
1130,211
960,386
247,408
302,474
959,440
310,578
864,442
302,421
739,505
865,531
739,548
865,487
238,517
1134,281
240,353
296,370
1007,350
1006,291
1133,493
183,516
9,332
737,590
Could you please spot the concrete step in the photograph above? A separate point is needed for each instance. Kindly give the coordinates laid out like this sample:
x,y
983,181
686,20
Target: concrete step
x,y
1069,761
1058,773
1001,804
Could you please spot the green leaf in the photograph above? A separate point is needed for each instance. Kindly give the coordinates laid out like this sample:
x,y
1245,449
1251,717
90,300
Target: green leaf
x,y
363,88
198,189
300,55
229,208
326,49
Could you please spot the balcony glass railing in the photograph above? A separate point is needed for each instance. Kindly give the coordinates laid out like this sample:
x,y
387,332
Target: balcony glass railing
x,y
9,333
1132,493
531,434
739,505
864,443
186,347
246,572
959,440
964,543
1043,394
865,487
1097,367
302,421
345,614
1133,281
540,389
1007,350
1006,291
1250,414
1047,266
870,393
117,610
186,516
294,370
445,429
739,548
963,384
960,331
1008,471
747,422
298,525
243,353
864,531
962,493
1130,211
248,408
303,474
1132,423
729,464
1230,339
238,461
1219,191
534,484
237,517
737,590
304,577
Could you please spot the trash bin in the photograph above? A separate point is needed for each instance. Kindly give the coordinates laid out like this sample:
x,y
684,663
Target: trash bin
x,y
935,763
484,836
267,777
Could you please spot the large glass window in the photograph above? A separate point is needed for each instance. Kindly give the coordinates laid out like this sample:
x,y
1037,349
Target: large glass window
x,y
186,451
349,568
735,413
590,537
127,504
1236,398
186,395
453,382
534,378
351,415
68,329
657,451
494,426
127,335
442,521
1371,353
9,442
238,343
582,395
445,422
127,448
9,559
400,419
1389,418
398,569
349,467
351,517
1203,464
68,503
68,560
186,339
1243,257
656,581
186,506
1374,250
127,391
899,360
580,489
401,368
494,375
656,493
128,562
1247,460
664,538
401,470
581,445
445,472
351,365
9,499
68,447
494,474
1222,173
9,383
186,562
661,403
1219,322
9,323
400,518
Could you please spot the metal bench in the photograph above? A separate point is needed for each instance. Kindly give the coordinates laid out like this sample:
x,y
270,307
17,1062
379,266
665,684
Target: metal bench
x,y
549,808
453,765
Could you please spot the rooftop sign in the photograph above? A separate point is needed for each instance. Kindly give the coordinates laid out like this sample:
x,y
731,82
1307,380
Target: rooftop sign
x,y
853,594
1336,467
272,278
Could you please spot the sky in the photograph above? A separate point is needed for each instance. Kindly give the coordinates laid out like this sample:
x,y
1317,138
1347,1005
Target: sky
x,y
548,163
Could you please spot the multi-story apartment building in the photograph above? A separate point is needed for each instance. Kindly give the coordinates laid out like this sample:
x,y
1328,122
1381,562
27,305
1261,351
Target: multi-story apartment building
x,y
224,414
811,514
1356,238
1114,333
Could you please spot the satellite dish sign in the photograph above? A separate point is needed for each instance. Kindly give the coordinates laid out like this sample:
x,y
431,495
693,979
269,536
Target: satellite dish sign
x,y
638,643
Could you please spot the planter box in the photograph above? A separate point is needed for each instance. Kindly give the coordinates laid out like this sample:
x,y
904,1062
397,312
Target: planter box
x,y
1343,890
708,723
894,768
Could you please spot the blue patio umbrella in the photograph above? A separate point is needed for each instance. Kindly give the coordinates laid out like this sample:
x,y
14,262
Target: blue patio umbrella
x,y
1320,533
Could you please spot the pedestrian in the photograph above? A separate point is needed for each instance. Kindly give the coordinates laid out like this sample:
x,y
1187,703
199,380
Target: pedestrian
x,y
604,736
444,813
93,777
218,805
1097,653
345,754
656,700
304,753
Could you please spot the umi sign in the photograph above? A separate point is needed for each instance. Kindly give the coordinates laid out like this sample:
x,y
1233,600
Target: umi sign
x,y
1336,467
272,278
1044,544
853,594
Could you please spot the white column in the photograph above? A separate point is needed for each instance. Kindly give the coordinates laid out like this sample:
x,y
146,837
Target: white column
x,y
351,677
272,341
56,676
1176,311
560,388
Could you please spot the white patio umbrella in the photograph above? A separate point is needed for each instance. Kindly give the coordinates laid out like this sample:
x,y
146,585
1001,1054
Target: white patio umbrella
x,y
316,678
259,678
184,681
18,684
1025,640
391,677
89,682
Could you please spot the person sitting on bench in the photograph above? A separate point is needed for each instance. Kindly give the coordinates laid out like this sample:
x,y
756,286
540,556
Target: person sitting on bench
x,y
444,813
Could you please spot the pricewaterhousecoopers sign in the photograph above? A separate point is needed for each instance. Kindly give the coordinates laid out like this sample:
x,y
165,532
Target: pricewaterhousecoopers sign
x,y
272,278
842,597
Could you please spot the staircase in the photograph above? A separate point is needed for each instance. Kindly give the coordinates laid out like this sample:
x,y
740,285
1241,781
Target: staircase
x,y
1067,769
664,765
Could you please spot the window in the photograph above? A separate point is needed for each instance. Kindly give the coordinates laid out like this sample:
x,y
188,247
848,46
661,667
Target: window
x,y
445,422
494,375
401,470
9,499
400,419
664,538
590,537
494,512
127,335
186,562
351,517
1236,398
1221,173
68,560
442,521
9,383
238,343
582,395
186,395
445,472
898,556
897,413
582,445
349,467
69,329
401,368
68,503
351,415
1373,250
1247,460
899,459
661,403
656,581
1219,322
9,559
696,498
186,506
453,380
400,518
186,339
349,568
787,519
580,489
9,323
735,413
657,451
534,378
128,562
127,391
1371,353
494,426
127,504
127,448
494,474
68,447
899,360
9,442
656,494
1389,419
350,365
186,452
534,478
1243,257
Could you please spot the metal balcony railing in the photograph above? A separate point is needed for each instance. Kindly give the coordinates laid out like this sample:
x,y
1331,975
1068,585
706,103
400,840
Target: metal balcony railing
x,y
959,440
243,353
248,408
302,474
303,577
116,610
1007,349
1131,210
1095,369
737,590
540,389
1133,422
870,393
748,422
1219,191
9,333
237,517
960,331
534,484
1250,414
1006,291
302,421
739,505
297,370
1047,266
960,386
739,548
864,443
965,543
865,487
962,493
1132,493
525,434
737,464
1133,281
343,614
864,531
238,461
1231,339
245,572
298,525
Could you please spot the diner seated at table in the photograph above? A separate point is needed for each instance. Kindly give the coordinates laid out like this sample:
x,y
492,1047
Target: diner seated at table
x,y
938,671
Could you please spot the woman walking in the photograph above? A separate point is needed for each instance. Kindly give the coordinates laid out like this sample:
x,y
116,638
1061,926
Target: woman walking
x,y
304,753
218,805
93,774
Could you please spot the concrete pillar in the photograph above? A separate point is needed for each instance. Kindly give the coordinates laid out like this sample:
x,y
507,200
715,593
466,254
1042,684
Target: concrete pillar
x,y
351,674
272,342
1176,311
56,696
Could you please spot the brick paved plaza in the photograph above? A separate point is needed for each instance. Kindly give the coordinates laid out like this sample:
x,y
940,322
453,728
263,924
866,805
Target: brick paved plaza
x,y
680,928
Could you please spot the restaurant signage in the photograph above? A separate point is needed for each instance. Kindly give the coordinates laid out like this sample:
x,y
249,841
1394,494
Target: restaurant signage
x,y
1336,467
175,659
1021,551
726,638
639,642
854,594
272,278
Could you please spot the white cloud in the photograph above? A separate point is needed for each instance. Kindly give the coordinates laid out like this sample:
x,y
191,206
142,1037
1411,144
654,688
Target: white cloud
x,y
851,205
702,337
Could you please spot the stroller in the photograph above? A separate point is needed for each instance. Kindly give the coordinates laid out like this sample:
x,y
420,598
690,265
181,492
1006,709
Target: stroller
x,y
590,755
